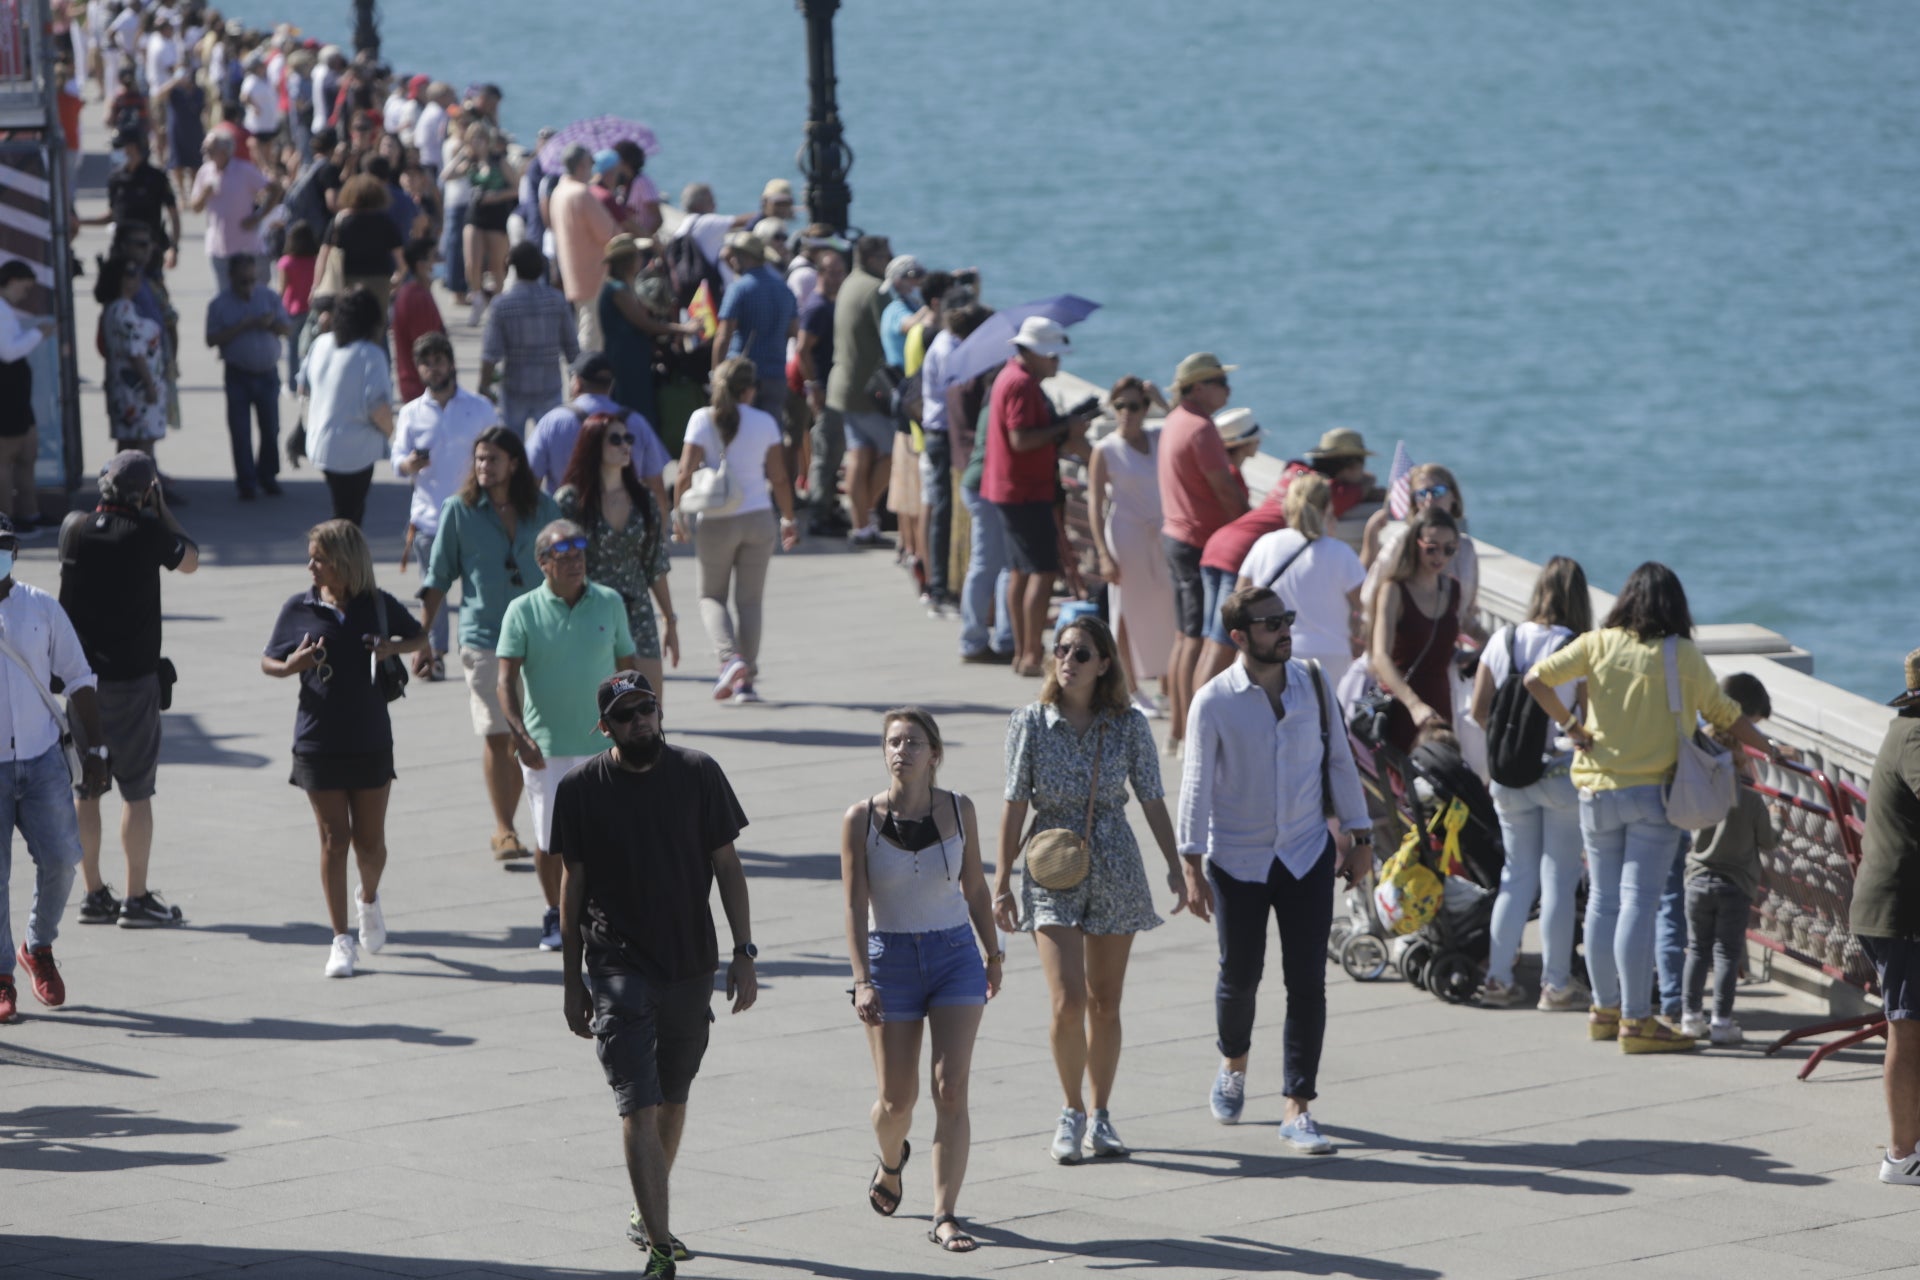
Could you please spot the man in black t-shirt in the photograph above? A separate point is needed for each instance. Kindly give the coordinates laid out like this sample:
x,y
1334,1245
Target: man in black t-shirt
x,y
110,563
645,829
139,193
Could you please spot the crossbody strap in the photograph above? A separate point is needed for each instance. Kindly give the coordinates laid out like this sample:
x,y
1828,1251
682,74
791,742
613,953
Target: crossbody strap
x,y
1326,737
46,695
1093,787
1287,564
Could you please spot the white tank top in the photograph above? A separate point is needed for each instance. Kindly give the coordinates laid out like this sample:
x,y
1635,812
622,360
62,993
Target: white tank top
x,y
915,892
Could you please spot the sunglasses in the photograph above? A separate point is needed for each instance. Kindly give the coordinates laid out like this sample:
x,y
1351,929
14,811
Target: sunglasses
x,y
1440,548
620,437
1278,622
513,572
630,712
1432,491
1078,652
1128,406
565,547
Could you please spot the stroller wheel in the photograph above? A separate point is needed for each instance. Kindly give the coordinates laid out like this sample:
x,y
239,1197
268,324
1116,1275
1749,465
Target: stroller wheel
x,y
1414,964
1337,937
1453,977
1364,957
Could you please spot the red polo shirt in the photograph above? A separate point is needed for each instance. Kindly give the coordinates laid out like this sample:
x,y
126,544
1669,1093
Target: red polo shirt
x,y
1190,447
1018,405
1227,549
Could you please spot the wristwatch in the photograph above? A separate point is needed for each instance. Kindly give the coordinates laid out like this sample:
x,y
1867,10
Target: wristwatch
x,y
998,957
748,950
1361,837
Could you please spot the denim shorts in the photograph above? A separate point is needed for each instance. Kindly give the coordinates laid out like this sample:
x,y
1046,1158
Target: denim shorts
x,y
1897,961
915,972
1217,585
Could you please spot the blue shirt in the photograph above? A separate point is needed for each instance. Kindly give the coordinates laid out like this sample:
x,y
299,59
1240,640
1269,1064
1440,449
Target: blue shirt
x,y
762,309
254,350
893,339
402,210
550,443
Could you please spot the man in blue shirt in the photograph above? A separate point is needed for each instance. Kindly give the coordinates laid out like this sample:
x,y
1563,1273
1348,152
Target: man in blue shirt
x,y
758,314
246,321
550,443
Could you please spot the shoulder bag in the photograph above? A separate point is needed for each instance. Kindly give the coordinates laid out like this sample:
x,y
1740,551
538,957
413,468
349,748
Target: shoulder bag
x,y
389,673
68,747
1702,789
1058,859
713,491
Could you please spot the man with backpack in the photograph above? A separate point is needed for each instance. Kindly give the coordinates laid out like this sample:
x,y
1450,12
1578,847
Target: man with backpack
x,y
1267,763
550,443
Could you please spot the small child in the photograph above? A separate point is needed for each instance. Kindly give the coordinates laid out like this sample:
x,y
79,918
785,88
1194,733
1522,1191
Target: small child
x,y
1723,879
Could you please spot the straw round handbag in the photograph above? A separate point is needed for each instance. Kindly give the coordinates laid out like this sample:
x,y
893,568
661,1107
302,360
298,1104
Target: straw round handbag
x,y
1059,858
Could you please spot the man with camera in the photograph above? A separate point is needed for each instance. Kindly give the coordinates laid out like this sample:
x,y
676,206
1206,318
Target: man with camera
x,y
110,563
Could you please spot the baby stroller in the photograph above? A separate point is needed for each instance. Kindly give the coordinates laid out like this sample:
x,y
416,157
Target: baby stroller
x,y
1430,909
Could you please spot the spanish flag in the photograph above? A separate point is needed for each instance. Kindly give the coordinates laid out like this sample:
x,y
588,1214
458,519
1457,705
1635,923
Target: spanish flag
x,y
701,309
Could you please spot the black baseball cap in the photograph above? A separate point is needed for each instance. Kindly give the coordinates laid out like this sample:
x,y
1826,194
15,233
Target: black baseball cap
x,y
614,687
592,366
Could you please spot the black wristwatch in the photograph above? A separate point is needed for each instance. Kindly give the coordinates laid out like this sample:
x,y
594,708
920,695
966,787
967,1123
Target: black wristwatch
x,y
748,950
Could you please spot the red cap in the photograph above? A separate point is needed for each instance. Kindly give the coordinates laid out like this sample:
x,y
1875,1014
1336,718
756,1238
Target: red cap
x,y
418,83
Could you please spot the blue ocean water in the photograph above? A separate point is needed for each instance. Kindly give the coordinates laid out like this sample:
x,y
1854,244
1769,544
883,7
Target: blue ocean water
x,y
1644,274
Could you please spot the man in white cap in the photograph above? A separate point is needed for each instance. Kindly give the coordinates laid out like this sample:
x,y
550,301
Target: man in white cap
x,y
903,279
1021,478
776,201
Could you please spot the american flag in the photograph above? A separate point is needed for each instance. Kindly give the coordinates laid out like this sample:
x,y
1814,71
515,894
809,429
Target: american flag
x,y
1400,483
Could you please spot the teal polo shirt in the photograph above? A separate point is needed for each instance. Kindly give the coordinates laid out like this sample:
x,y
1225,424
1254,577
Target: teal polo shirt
x,y
565,652
472,548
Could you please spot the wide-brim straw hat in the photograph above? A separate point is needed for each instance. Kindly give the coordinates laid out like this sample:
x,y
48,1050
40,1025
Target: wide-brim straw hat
x,y
1912,695
1341,442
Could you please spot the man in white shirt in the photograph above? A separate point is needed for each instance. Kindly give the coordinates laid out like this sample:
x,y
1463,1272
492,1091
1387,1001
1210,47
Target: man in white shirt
x,y
430,130
36,788
1267,763
119,49
433,445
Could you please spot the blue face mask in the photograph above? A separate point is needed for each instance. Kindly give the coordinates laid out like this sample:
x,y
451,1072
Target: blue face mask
x,y
6,564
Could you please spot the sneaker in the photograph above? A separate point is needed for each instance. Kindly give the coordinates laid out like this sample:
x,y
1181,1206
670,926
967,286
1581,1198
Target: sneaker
x,y
48,987
147,912
1229,1096
10,1003
1568,999
1495,994
270,487
1603,1023
1727,1032
373,924
1695,1025
1068,1138
340,958
1103,1141
438,671
660,1263
637,1233
1304,1136
550,930
867,536
1650,1035
732,675
1904,1172
478,311
100,906
1147,707
745,694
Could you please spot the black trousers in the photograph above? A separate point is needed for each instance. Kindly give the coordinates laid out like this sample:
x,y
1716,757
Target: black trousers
x,y
938,495
348,489
1304,910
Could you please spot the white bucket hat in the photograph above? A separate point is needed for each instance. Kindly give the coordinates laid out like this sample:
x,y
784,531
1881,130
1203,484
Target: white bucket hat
x,y
1042,336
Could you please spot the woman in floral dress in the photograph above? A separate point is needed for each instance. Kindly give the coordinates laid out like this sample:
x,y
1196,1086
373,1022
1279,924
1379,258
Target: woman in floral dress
x,y
1085,934
627,539
136,360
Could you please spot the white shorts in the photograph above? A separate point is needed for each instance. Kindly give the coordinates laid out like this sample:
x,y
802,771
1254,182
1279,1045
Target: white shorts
x,y
542,786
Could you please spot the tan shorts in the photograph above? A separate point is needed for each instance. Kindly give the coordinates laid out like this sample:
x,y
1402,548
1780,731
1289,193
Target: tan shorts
x,y
483,691
903,484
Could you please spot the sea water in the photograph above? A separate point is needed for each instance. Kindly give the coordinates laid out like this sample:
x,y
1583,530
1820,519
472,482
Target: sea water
x,y
1645,275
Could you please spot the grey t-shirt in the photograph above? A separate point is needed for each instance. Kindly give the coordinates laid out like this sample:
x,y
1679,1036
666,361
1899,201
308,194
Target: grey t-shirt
x,y
1732,848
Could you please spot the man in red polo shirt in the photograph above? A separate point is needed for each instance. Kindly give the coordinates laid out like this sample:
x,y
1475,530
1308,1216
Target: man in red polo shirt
x,y
1198,494
1021,479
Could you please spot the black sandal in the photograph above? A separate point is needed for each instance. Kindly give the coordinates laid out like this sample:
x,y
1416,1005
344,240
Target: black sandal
x,y
958,1242
885,1202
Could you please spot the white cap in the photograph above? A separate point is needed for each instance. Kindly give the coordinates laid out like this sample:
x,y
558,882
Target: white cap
x,y
1236,426
902,267
1042,336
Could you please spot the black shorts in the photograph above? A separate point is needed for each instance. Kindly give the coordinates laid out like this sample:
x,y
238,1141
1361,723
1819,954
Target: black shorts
x,y
1033,540
490,217
650,1035
1189,587
364,771
1897,961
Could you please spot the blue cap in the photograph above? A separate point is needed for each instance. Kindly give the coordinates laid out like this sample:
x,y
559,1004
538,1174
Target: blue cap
x,y
606,161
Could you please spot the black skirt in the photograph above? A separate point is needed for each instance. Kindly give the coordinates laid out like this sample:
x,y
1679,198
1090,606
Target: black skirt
x,y
364,771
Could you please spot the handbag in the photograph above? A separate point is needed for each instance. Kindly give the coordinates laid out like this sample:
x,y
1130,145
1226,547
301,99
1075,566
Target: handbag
x,y
389,673
68,747
713,491
1059,858
1704,781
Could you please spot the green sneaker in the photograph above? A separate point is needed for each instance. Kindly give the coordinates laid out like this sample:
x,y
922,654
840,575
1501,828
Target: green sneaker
x,y
637,1232
660,1265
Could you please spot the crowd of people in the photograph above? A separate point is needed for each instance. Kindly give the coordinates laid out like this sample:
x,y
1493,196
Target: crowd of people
x,y
802,381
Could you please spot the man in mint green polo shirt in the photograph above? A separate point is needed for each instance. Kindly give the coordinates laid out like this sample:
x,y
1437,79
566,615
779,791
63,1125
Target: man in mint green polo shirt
x,y
557,643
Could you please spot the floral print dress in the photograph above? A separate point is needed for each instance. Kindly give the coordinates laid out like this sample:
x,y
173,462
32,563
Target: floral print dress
x,y
130,336
628,560
1050,767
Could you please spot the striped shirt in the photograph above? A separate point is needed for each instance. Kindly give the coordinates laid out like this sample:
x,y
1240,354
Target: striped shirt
x,y
530,331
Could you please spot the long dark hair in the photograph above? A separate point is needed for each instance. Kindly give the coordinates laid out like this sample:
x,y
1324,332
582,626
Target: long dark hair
x,y
523,491
583,473
357,318
109,275
1653,604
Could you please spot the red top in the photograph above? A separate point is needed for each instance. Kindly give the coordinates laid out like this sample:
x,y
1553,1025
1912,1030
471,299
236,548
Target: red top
x,y
610,201
1018,405
1346,494
1227,549
414,313
296,283
1190,447
70,107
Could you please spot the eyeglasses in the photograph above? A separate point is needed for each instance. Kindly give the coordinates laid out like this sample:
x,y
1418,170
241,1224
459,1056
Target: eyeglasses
x,y
1441,549
620,437
565,547
1278,622
1078,652
626,714
1128,406
1432,491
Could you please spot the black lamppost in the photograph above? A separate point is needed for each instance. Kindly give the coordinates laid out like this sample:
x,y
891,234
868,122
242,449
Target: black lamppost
x,y
366,27
825,156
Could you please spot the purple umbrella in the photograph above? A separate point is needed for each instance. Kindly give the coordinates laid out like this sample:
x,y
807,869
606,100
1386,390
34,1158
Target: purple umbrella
x,y
992,342
597,134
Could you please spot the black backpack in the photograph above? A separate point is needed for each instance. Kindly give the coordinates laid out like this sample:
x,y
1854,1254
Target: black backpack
x,y
687,267
1517,727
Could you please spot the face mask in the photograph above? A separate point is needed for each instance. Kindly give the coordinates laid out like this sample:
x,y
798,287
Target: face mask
x,y
6,564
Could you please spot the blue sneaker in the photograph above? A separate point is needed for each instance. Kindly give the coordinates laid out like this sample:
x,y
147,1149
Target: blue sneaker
x,y
1229,1095
1304,1136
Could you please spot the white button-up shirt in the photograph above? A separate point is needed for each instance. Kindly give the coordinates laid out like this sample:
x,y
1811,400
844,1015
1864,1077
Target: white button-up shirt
x,y
1250,790
37,627
447,433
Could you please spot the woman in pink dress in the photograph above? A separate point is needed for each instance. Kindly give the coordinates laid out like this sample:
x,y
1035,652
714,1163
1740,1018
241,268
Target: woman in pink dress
x,y
1123,491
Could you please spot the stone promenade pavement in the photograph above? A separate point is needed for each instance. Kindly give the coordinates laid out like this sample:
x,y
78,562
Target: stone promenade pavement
x,y
207,1104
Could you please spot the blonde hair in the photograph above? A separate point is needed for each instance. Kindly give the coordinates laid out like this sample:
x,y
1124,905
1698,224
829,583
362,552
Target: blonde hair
x,y
1429,473
731,382
343,546
1308,498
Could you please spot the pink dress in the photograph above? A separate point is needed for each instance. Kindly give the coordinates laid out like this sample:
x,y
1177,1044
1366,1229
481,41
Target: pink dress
x,y
1144,596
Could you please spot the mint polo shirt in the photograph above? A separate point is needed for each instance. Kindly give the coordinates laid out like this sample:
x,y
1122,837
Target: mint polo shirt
x,y
565,652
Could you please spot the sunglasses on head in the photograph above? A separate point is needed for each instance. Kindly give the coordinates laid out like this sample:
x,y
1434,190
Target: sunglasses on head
x,y
1078,652
565,547
1432,491
620,437
631,711
1278,622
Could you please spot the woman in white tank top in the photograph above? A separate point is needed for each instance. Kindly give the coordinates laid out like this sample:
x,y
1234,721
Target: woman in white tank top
x,y
918,918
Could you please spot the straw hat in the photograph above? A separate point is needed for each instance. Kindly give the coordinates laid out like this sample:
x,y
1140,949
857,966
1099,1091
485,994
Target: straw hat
x,y
1201,366
1341,442
1912,696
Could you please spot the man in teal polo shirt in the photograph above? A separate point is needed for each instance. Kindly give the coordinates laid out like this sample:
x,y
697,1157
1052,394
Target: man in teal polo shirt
x,y
557,643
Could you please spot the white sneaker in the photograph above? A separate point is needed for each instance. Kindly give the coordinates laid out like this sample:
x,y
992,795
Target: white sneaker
x,y
1694,1025
373,924
1572,998
1727,1032
1904,1172
1304,1136
340,959
731,676
1067,1139
1147,707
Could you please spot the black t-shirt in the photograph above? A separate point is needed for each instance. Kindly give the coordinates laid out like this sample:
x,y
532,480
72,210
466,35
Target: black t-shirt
x,y
341,709
366,242
646,840
141,194
110,563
